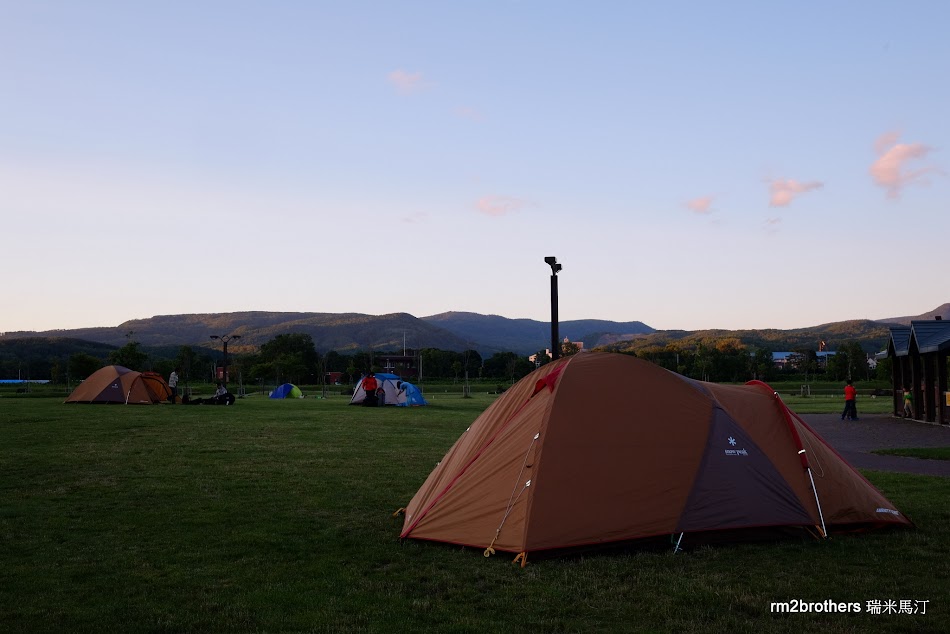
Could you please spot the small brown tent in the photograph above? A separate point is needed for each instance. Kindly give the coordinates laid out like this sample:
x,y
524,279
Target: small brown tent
x,y
599,448
116,384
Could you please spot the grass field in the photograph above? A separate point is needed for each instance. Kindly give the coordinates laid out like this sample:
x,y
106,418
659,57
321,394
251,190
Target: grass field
x,y
276,516
927,453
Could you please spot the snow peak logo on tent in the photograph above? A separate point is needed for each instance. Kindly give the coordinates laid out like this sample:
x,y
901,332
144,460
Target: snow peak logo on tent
x,y
735,452
884,510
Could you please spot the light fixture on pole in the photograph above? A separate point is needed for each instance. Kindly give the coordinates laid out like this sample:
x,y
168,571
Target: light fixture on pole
x,y
224,340
555,339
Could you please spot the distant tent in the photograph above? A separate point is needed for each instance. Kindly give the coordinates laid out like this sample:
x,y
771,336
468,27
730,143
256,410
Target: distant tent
x,y
287,390
410,396
397,391
116,384
599,448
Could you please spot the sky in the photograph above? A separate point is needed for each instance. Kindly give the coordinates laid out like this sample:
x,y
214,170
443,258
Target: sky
x,y
691,165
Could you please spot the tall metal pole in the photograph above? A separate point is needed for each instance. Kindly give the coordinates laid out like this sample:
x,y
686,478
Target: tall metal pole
x,y
224,341
555,339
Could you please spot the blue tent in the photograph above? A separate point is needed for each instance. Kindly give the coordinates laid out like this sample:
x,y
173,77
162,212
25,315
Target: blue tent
x,y
412,395
287,390
395,391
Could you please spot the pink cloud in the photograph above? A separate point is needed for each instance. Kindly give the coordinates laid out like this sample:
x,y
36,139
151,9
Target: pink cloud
x,y
886,140
784,191
890,169
406,82
499,205
701,205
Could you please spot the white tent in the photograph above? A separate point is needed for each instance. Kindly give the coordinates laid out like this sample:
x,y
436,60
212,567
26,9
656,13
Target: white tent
x,y
396,390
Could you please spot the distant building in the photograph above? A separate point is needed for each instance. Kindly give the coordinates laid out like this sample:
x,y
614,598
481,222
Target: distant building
x,y
547,351
781,360
406,366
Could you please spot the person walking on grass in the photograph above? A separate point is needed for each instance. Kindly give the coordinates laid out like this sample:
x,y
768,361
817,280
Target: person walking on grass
x,y
850,402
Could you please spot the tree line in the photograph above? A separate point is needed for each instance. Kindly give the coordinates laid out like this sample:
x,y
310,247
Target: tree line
x,y
729,360
294,358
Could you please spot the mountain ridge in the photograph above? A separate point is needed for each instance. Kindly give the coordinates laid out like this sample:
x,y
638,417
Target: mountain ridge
x,y
453,330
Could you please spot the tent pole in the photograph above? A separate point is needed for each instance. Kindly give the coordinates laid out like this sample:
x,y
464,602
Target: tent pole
x,y
677,548
821,516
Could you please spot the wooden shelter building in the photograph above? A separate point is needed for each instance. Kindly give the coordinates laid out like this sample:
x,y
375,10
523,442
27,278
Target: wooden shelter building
x,y
919,354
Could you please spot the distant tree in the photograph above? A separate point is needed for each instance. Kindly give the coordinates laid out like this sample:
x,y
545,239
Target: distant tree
x,y
804,360
292,345
703,361
849,362
472,363
857,361
760,365
569,348
507,365
57,371
81,365
292,356
435,363
185,361
666,356
541,357
361,365
883,370
336,362
129,356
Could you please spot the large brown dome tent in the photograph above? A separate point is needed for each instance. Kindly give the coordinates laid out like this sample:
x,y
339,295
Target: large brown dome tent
x,y
117,384
600,448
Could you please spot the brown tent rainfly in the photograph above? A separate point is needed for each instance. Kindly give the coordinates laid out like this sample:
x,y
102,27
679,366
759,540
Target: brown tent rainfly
x,y
116,384
599,448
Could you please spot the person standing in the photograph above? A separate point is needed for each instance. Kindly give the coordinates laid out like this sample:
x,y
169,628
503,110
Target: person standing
x,y
850,402
369,390
908,403
173,384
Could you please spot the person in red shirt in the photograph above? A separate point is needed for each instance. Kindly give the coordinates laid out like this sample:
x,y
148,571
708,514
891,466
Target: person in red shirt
x,y
369,390
850,402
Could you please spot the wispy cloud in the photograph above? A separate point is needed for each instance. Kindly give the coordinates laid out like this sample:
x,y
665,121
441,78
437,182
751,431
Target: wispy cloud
x,y
890,170
701,205
406,82
772,225
499,205
783,191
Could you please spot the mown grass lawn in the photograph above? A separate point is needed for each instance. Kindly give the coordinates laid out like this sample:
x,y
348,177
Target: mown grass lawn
x,y
927,453
273,516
